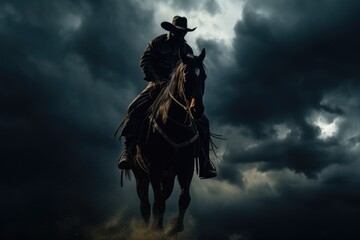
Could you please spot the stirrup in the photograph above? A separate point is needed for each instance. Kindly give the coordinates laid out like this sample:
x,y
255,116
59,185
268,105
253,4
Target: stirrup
x,y
209,172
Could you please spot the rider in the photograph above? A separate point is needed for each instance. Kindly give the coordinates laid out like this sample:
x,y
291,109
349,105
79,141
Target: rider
x,y
158,62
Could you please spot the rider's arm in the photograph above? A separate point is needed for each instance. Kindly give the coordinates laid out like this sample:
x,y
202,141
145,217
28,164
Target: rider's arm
x,y
146,62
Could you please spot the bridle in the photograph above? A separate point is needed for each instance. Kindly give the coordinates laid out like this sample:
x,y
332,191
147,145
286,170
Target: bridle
x,y
189,105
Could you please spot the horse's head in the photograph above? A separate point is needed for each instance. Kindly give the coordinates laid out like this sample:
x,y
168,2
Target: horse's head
x,y
194,81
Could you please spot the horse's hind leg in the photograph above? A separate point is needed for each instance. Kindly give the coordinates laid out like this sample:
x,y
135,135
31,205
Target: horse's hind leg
x,y
142,189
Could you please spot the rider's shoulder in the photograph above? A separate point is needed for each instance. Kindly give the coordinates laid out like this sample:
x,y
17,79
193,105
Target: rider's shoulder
x,y
159,39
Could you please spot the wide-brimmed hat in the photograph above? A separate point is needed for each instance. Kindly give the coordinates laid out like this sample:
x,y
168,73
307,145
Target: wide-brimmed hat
x,y
178,23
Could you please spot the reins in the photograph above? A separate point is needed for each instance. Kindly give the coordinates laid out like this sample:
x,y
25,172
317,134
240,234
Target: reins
x,y
186,108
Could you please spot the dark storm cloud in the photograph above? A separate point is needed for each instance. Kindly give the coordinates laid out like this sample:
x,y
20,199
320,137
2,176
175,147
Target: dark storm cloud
x,y
63,71
324,210
212,7
292,61
289,54
214,55
232,174
308,157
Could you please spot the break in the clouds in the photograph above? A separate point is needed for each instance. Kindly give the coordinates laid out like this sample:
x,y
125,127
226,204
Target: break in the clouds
x,y
211,6
282,88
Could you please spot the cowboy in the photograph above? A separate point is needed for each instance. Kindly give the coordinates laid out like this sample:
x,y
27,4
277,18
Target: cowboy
x,y
158,61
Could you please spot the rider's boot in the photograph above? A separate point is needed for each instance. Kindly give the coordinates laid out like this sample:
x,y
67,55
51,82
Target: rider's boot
x,y
207,168
125,157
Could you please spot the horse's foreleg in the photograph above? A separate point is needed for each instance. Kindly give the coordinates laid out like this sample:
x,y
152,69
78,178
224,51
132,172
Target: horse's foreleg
x,y
184,200
167,185
159,201
142,189
178,222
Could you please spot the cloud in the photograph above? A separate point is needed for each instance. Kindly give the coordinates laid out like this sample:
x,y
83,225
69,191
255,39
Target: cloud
x,y
287,58
287,61
211,6
280,205
292,65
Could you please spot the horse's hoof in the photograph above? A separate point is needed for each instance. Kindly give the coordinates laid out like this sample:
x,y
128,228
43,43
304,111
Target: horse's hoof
x,y
156,227
176,228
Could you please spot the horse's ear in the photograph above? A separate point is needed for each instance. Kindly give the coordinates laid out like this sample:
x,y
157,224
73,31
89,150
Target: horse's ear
x,y
202,55
183,56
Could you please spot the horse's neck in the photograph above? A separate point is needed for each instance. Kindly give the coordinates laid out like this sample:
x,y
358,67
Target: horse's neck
x,y
177,112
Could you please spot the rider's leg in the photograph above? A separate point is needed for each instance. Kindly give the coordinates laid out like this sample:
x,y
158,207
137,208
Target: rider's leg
x,y
131,130
207,168
127,153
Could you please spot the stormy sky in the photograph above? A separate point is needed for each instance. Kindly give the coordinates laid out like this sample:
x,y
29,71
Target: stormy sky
x,y
283,89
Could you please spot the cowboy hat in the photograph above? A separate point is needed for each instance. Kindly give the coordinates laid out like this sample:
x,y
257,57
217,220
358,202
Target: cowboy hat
x,y
178,23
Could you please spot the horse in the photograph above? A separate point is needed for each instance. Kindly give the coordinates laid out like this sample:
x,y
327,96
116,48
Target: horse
x,y
171,142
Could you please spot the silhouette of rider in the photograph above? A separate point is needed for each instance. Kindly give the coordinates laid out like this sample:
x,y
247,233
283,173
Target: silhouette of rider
x,y
158,61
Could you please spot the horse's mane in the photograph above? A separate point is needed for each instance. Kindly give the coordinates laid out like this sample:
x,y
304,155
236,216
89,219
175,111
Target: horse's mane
x,y
176,87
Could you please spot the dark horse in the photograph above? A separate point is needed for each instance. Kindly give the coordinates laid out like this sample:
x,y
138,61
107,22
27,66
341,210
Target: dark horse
x,y
171,142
